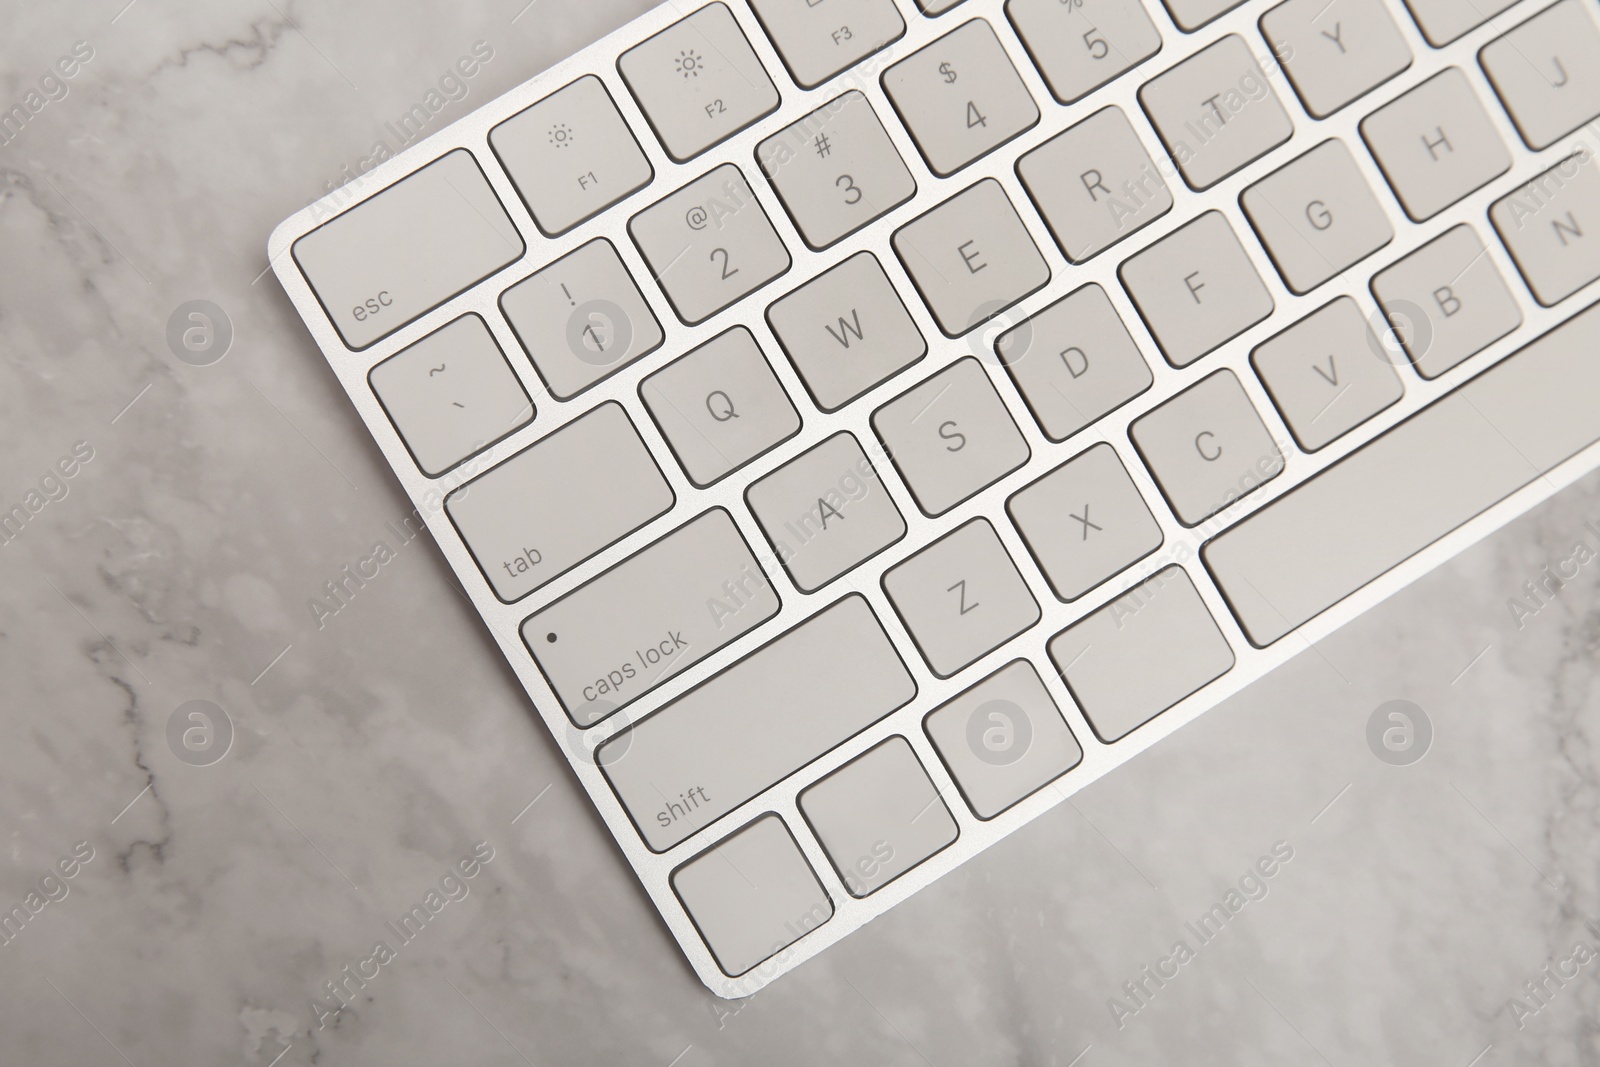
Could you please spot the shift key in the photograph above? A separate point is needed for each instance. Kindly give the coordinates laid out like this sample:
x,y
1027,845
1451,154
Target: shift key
x,y
613,640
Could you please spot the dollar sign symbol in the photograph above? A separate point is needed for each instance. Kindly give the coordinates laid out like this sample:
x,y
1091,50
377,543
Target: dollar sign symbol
x,y
948,71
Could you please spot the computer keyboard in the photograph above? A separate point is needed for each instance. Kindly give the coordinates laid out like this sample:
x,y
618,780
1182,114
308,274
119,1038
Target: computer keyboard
x,y
863,425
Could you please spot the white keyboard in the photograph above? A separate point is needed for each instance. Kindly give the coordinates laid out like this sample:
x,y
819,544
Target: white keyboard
x,y
864,425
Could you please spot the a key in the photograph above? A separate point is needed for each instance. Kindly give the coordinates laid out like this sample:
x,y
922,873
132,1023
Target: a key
x,y
1547,73
1079,47
1137,656
961,597
836,170
571,155
1316,216
971,257
709,244
950,437
1196,289
660,611
1337,52
1551,227
936,7
559,501
1003,740
752,895
1299,555
581,319
1074,362
817,41
1190,15
1094,184
878,816
720,406
1207,447
845,331
1215,112
960,97
398,255
698,82
451,394
1435,144
1325,375
1446,301
1084,522
825,512
1442,21
754,724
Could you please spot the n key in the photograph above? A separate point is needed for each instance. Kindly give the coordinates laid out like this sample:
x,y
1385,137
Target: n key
x,y
1551,226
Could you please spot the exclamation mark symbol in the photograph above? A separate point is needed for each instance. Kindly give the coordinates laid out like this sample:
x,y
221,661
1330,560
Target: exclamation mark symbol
x,y
568,293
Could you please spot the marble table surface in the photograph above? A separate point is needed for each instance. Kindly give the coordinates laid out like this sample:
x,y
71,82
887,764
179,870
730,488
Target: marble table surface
x,y
184,914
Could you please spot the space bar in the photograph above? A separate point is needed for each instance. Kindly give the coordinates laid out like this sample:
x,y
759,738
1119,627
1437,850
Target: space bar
x,y
1402,491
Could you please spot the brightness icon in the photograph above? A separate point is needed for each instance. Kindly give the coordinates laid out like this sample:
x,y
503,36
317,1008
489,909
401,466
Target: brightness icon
x,y
689,62
561,135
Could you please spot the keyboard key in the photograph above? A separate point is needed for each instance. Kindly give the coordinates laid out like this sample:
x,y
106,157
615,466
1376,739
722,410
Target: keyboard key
x,y
1003,740
878,816
398,255
1196,289
1081,46
1207,447
1335,53
845,331
1190,15
663,609
1094,184
836,170
720,406
960,97
1074,362
451,395
825,512
571,155
961,597
1324,374
817,42
1139,655
971,257
1442,21
559,501
937,7
698,82
1551,227
752,895
1215,112
709,244
1446,301
950,437
581,319
756,723
1547,73
1316,216
1084,522
1299,555
1435,144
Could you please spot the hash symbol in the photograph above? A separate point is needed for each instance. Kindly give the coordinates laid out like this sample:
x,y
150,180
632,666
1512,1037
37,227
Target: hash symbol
x,y
821,144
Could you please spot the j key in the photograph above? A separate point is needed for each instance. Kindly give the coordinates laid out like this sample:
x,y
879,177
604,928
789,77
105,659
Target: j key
x,y
1446,301
1207,447
1442,21
1551,227
817,41
1190,15
571,155
1547,72
960,97
390,259
836,170
709,244
720,406
1336,52
559,501
961,597
1081,46
1216,112
1435,144
698,82
1324,374
451,394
